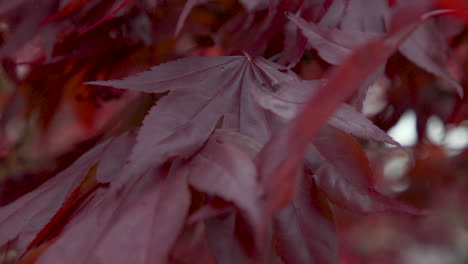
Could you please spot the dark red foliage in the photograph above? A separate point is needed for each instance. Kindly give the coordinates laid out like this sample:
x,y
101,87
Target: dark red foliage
x,y
226,151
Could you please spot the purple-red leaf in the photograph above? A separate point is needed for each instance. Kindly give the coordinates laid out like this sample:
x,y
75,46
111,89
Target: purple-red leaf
x,y
333,12
344,154
114,157
179,74
280,159
294,47
80,237
152,207
305,230
332,44
84,232
202,90
226,247
425,46
427,49
192,247
174,128
291,97
24,218
355,123
158,215
227,171
343,172
358,198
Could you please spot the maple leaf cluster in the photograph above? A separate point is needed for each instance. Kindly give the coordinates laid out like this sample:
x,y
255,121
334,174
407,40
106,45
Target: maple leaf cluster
x,y
246,143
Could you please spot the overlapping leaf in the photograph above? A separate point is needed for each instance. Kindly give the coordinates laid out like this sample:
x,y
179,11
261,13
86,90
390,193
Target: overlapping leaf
x,y
424,47
43,207
343,172
305,230
294,46
291,97
192,247
333,45
158,215
226,248
93,231
24,218
97,231
238,89
224,170
244,92
202,90
276,166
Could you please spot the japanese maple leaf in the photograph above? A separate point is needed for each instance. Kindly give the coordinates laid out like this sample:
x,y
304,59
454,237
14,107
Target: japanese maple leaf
x,y
151,207
342,170
425,47
155,211
294,46
154,207
252,95
157,215
202,91
278,167
291,97
335,148
244,91
30,216
225,167
304,232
